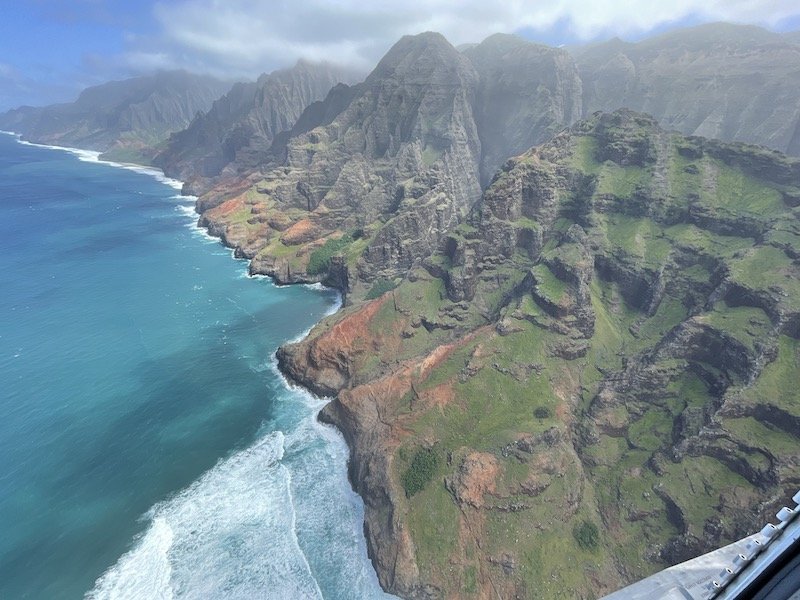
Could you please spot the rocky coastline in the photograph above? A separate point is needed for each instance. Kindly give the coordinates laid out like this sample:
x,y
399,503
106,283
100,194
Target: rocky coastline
x,y
560,331
325,375
517,272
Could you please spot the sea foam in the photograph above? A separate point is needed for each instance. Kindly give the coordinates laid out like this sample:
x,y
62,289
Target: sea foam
x,y
239,513
276,519
93,156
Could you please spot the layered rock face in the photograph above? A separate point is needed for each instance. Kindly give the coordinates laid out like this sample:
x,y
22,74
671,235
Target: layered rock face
x,y
527,93
389,166
397,160
397,167
724,81
592,379
593,347
241,126
125,119
595,352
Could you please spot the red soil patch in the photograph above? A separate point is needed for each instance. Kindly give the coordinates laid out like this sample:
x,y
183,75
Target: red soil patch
x,y
475,478
302,232
346,339
226,208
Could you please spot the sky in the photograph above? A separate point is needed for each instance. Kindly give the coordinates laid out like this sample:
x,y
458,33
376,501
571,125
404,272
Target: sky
x,y
51,49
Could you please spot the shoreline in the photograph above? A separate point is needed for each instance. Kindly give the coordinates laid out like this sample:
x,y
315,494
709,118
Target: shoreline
x,y
93,156
319,401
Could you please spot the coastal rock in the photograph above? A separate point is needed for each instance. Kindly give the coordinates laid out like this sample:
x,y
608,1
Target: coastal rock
x,y
659,346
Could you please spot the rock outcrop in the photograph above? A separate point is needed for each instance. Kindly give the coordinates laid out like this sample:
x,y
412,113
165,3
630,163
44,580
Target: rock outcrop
x,y
592,344
400,158
241,126
389,175
607,343
527,93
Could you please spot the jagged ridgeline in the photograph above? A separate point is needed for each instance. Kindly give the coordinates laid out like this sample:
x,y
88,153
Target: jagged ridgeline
x,y
593,377
127,120
390,165
720,80
394,163
241,126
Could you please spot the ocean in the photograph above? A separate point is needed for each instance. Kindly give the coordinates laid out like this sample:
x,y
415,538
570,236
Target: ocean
x,y
149,448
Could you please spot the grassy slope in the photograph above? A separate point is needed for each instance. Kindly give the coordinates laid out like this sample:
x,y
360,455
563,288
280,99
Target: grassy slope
x,y
619,462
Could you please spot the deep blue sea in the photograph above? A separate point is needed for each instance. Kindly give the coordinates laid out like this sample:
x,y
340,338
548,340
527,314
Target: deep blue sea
x,y
148,446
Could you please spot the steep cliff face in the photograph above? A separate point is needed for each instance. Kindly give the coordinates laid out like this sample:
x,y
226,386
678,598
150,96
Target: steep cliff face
x,y
527,93
731,82
241,126
125,119
601,356
380,183
373,177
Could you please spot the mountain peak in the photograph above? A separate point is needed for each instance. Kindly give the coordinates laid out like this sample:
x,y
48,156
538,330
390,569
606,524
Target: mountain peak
x,y
715,33
505,41
419,56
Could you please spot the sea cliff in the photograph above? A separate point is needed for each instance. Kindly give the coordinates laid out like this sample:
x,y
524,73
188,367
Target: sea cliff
x,y
598,355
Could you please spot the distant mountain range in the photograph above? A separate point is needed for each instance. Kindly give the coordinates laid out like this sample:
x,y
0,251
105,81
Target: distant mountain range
x,y
730,82
126,119
241,126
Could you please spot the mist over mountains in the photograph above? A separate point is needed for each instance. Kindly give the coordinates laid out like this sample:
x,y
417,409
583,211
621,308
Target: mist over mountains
x,y
127,119
731,82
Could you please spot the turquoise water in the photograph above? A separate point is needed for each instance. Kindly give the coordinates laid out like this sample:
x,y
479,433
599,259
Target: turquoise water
x,y
148,446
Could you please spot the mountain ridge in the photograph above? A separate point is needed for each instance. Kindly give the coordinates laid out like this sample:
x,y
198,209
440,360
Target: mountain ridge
x,y
591,338
125,119
566,323
242,125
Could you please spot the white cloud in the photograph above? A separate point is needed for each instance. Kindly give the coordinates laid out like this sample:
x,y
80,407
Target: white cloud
x,y
246,37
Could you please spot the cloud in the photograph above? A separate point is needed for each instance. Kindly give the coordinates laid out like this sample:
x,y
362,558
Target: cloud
x,y
246,37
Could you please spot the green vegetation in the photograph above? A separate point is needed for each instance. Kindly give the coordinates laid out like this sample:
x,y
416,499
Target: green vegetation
x,y
379,288
430,155
736,191
764,267
562,382
548,285
621,181
586,534
640,237
420,471
470,580
320,259
747,324
778,383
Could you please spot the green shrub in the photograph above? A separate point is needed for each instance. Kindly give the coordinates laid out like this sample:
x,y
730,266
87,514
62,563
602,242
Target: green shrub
x,y
470,580
420,471
379,288
542,412
586,534
320,259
